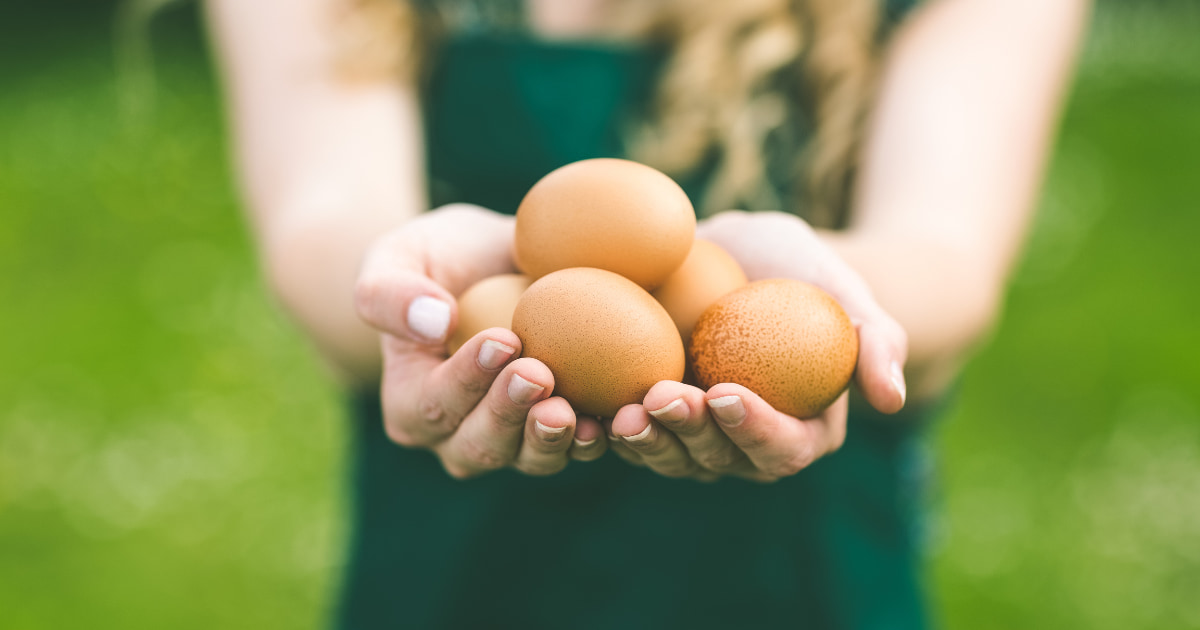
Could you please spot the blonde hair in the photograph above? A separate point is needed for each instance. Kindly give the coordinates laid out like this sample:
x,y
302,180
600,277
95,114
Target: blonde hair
x,y
743,83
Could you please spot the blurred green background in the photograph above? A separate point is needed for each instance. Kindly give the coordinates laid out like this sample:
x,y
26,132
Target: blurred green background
x,y
170,449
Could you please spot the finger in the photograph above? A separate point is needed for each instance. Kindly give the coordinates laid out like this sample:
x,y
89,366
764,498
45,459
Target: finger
x,y
779,445
589,442
549,433
880,372
425,399
400,292
404,302
682,410
661,451
882,341
616,445
491,434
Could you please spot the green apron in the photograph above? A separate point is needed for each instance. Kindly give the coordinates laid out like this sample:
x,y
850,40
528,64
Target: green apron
x,y
606,544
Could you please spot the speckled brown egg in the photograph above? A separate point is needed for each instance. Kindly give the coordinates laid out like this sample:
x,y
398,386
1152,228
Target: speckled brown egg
x,y
785,340
606,213
487,304
604,338
707,274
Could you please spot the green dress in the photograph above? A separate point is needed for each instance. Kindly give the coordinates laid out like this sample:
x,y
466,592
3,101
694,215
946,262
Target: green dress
x,y
606,544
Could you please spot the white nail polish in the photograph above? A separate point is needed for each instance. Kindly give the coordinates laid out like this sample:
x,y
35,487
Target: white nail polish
x,y
493,354
723,401
729,410
640,436
898,381
523,392
658,413
547,430
429,317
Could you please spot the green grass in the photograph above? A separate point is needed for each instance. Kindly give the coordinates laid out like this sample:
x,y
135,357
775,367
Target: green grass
x,y
170,449
1071,465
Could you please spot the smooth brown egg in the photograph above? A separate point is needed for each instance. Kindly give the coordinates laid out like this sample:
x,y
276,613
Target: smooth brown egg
x,y
609,214
487,304
785,340
707,273
604,338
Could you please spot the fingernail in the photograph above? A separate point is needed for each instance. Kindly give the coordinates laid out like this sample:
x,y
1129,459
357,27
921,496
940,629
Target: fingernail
x,y
729,410
898,381
645,433
548,433
493,354
522,391
676,411
429,317
584,443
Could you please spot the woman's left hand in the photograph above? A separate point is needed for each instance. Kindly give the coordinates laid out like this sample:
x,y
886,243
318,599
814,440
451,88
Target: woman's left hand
x,y
682,431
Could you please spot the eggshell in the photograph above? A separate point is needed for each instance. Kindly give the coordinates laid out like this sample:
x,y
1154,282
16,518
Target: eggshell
x,y
785,340
604,338
707,273
487,304
605,213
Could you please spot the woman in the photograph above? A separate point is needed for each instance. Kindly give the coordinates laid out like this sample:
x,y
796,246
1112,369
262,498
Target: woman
x,y
354,120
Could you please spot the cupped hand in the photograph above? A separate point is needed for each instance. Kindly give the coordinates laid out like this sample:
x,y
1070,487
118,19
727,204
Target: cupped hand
x,y
681,431
482,408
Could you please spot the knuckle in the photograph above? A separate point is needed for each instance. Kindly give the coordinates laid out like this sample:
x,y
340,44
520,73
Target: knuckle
x,y
719,460
458,472
761,477
482,456
505,414
471,383
398,435
673,469
431,410
629,457
754,440
654,447
682,428
792,464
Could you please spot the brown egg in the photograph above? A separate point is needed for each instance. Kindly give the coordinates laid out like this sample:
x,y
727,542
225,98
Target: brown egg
x,y
609,214
707,273
785,340
487,304
605,339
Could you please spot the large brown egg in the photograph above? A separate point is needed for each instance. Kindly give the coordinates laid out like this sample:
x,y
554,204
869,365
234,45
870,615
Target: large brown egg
x,y
487,304
605,339
609,214
785,340
707,273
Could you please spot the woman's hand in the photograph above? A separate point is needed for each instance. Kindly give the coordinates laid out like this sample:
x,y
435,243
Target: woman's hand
x,y
478,410
682,431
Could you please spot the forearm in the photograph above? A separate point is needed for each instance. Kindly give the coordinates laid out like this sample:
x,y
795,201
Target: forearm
x,y
956,150
326,165
312,267
939,293
315,221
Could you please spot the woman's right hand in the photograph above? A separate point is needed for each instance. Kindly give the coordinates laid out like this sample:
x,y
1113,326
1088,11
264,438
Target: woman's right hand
x,y
481,409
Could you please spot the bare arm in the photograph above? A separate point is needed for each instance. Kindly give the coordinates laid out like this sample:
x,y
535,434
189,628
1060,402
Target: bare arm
x,y
968,107
326,165
333,176
971,94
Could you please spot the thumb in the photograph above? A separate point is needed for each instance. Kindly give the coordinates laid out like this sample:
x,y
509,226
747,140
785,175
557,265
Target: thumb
x,y
404,302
